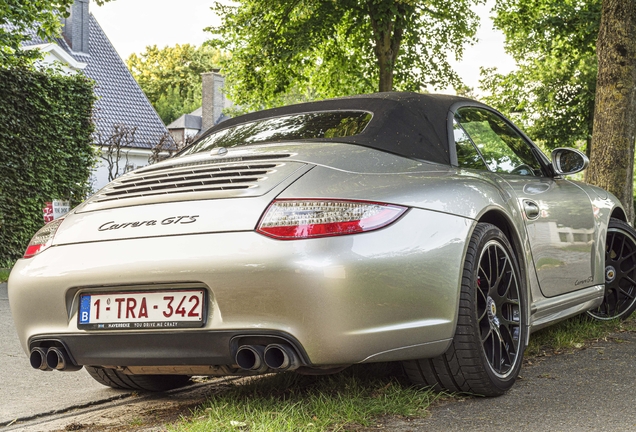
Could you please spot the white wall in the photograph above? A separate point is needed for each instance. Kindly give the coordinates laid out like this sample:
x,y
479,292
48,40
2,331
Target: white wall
x,y
137,158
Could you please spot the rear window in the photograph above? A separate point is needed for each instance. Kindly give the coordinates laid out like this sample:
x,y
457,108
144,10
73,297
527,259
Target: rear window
x,y
314,125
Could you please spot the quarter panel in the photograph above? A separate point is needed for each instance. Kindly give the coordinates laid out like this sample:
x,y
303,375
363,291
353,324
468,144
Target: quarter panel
x,y
458,192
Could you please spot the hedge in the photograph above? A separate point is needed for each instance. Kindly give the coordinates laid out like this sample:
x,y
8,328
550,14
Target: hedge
x,y
45,150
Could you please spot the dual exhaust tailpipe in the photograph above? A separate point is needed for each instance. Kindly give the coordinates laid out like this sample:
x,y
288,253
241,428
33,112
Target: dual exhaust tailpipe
x,y
53,358
257,358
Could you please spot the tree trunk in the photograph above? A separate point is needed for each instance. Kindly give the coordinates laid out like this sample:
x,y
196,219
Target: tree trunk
x,y
387,20
612,156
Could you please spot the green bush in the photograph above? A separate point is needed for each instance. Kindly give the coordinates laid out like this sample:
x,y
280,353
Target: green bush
x,y
45,149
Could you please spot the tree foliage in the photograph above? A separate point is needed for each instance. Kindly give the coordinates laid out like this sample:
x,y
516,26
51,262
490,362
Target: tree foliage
x,y
554,45
289,50
18,18
555,90
45,150
171,77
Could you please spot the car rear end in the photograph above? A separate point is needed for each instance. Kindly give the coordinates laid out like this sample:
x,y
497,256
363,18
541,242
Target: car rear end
x,y
243,260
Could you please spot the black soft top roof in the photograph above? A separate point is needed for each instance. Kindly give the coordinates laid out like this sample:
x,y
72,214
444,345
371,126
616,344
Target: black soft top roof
x,y
408,124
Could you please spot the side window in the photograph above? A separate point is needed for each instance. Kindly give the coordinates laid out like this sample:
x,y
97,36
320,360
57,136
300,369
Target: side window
x,y
503,149
467,154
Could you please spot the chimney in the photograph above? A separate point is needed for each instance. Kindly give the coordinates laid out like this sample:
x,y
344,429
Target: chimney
x,y
76,27
212,99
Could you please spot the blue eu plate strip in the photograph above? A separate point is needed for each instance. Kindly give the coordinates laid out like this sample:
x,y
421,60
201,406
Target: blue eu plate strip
x,y
85,309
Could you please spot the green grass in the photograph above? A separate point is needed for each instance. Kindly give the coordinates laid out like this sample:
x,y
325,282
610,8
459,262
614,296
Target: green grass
x,y
575,333
289,402
357,397
4,274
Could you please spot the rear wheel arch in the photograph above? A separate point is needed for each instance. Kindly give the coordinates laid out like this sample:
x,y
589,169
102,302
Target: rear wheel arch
x,y
501,221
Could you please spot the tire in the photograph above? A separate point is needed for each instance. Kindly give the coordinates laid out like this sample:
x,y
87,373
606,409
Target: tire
x,y
485,355
147,383
620,273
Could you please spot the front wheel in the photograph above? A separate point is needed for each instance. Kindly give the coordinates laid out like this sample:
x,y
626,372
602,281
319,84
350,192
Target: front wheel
x,y
149,383
619,300
486,353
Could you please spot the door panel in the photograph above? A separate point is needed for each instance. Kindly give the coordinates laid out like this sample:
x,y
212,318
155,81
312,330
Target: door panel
x,y
557,213
561,230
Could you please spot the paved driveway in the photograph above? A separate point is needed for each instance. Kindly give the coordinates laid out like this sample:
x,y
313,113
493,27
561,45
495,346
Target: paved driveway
x,y
26,392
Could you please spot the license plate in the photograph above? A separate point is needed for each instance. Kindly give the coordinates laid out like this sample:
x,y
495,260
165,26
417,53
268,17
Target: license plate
x,y
142,310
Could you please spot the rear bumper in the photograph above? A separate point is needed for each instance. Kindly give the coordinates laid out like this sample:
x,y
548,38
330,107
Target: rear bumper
x,y
390,294
159,348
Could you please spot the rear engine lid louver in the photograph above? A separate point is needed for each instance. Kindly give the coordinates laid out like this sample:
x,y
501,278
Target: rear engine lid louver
x,y
229,178
190,180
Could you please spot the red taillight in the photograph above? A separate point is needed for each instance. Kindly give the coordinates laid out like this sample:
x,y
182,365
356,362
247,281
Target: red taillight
x,y
301,219
43,238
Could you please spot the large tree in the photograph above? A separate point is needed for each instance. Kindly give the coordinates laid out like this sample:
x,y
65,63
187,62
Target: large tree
x,y
18,18
612,160
559,47
285,50
171,77
554,46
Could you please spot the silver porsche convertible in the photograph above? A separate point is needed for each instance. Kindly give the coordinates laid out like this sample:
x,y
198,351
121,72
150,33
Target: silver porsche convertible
x,y
425,229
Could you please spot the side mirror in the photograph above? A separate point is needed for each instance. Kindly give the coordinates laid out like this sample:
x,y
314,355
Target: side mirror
x,y
566,161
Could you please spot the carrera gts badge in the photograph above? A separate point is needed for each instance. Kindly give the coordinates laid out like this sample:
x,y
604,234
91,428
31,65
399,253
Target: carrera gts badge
x,y
174,220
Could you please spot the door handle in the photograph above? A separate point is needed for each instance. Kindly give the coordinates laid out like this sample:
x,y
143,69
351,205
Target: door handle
x,y
531,209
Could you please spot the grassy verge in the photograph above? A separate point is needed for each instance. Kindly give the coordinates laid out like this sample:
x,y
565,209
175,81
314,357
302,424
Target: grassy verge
x,y
348,401
574,333
357,397
4,274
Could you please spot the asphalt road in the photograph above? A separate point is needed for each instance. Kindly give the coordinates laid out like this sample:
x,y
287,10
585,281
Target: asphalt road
x,y
26,392
593,389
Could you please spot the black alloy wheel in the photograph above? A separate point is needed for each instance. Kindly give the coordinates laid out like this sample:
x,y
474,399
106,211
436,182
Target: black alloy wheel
x,y
498,308
619,300
485,355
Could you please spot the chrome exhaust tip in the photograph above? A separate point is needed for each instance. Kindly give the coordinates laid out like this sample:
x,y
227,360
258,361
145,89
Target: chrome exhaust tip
x,y
37,358
250,357
281,357
58,359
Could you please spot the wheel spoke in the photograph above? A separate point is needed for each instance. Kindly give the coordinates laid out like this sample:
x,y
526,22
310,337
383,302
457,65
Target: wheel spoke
x,y
511,279
490,275
628,256
611,247
493,350
482,315
484,339
622,246
497,265
500,342
482,271
629,270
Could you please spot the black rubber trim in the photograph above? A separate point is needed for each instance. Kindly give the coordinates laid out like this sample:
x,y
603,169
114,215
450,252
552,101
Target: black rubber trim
x,y
159,348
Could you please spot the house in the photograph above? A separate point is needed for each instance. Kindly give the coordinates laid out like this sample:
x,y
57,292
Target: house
x,y
122,111
213,103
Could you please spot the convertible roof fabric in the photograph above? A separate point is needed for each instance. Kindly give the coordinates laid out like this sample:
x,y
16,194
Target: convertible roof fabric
x,y
408,124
